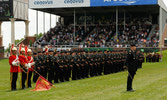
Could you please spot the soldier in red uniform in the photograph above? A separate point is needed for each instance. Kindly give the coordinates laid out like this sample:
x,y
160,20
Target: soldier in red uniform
x,y
30,70
24,67
14,69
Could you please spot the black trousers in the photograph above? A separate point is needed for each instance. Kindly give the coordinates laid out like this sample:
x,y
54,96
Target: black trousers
x,y
29,78
50,75
86,71
56,75
130,79
35,76
78,73
61,75
44,73
91,71
74,73
13,77
23,79
66,74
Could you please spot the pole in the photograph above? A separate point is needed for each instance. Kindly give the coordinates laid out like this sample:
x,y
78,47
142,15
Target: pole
x,y
124,19
74,26
43,22
50,20
85,21
117,23
56,20
12,30
0,28
1,39
42,76
27,27
160,33
37,23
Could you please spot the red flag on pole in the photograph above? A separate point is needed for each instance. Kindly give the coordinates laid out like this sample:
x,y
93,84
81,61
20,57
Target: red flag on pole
x,y
42,84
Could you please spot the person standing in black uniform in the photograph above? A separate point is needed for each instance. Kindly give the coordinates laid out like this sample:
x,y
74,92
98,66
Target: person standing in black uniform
x,y
35,76
56,67
50,66
43,64
131,62
74,66
66,66
61,66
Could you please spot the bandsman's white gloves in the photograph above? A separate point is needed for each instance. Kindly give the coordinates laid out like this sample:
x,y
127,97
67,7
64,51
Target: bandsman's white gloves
x,y
15,63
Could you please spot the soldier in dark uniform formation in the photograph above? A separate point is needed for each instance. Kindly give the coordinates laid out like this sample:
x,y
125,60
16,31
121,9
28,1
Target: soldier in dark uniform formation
x,y
140,57
44,64
150,57
105,62
74,66
61,66
70,58
50,66
35,76
40,63
87,63
153,57
66,66
95,64
114,62
131,62
91,63
157,57
78,64
56,67
82,64
99,63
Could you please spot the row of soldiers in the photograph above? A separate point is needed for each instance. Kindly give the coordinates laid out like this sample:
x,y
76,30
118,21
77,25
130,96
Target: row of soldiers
x,y
65,65
153,57
60,66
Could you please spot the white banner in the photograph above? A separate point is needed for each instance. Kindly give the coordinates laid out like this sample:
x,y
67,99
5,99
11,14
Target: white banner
x,y
58,3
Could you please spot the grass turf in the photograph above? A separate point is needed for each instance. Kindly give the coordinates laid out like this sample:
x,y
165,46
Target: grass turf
x,y
150,83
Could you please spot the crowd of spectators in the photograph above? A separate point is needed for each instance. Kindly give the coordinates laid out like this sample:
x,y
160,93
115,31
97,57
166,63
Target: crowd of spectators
x,y
63,35
136,30
102,35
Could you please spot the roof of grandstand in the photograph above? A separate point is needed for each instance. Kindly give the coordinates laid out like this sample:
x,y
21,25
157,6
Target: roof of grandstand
x,y
59,7
71,8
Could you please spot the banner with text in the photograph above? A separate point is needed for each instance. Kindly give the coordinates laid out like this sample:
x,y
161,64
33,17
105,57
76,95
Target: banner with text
x,y
58,3
95,3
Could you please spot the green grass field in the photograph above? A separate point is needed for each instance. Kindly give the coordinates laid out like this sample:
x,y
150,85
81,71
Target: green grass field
x,y
150,83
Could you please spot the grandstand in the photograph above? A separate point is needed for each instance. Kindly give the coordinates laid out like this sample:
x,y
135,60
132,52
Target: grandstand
x,y
104,23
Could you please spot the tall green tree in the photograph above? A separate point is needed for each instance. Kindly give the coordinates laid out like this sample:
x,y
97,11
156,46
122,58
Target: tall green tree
x,y
38,35
18,40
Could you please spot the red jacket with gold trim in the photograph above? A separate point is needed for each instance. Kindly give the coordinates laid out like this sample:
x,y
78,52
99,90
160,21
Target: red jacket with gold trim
x,y
30,60
13,68
23,60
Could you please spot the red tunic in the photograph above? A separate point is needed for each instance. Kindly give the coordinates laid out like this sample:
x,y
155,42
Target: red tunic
x,y
23,60
30,60
13,68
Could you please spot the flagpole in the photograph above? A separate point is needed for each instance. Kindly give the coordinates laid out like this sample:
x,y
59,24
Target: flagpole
x,y
37,72
23,70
